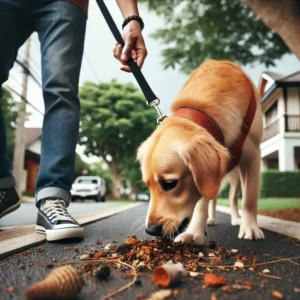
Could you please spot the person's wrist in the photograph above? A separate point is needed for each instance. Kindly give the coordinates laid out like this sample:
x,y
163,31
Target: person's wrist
x,y
133,21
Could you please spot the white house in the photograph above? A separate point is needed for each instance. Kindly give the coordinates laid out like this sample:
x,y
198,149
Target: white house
x,y
280,101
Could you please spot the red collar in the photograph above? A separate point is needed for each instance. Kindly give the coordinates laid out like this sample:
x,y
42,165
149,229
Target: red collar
x,y
213,128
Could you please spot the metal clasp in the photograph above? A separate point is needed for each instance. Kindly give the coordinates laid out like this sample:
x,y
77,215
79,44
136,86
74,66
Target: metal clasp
x,y
155,104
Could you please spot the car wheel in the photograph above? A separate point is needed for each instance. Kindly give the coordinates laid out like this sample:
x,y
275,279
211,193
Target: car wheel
x,y
103,199
98,199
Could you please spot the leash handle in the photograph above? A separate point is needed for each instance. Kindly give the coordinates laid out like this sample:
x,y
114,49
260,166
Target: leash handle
x,y
151,98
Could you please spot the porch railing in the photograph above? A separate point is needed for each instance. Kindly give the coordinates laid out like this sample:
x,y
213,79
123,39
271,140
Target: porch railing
x,y
292,123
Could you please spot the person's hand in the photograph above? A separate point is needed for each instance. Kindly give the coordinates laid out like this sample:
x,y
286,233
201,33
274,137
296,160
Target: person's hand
x,y
134,46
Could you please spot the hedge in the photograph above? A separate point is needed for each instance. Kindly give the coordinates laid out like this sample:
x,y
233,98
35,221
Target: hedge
x,y
275,184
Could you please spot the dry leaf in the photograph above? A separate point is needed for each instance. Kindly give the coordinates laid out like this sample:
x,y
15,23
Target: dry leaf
x,y
226,288
211,255
214,280
277,294
132,240
241,287
200,254
10,289
239,264
160,295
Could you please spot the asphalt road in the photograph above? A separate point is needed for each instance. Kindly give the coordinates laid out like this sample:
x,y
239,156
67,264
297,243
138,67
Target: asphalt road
x,y
27,212
21,271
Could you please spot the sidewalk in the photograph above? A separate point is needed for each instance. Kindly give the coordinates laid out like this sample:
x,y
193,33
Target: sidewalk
x,y
245,283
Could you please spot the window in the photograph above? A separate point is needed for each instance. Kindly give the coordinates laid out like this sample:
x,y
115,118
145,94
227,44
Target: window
x,y
87,181
272,113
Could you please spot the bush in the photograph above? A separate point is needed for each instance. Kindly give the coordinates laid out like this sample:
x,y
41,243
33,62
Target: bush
x,y
274,184
280,184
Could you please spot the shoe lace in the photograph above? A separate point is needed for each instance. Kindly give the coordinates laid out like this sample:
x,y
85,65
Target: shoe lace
x,y
2,195
56,211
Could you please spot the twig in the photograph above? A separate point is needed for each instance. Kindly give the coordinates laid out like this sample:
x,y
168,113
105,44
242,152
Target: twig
x,y
270,276
280,257
125,286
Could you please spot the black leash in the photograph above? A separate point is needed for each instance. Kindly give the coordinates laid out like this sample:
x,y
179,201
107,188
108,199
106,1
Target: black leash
x,y
152,100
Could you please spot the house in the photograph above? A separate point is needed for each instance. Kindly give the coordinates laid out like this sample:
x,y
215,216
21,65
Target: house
x,y
32,157
280,102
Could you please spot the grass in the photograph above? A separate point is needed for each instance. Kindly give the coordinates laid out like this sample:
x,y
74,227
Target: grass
x,y
269,203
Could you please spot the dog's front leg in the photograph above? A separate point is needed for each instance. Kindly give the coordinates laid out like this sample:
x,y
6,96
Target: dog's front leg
x,y
195,232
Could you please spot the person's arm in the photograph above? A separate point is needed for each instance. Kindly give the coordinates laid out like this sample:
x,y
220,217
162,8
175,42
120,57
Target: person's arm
x,y
132,35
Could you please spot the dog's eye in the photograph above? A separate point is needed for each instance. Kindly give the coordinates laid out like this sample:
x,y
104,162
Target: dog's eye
x,y
168,185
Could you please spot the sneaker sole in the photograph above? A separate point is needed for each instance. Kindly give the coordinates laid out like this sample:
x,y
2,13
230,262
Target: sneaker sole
x,y
10,209
61,234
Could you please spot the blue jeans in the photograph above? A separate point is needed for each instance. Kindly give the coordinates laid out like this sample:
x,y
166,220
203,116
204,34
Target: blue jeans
x,y
61,29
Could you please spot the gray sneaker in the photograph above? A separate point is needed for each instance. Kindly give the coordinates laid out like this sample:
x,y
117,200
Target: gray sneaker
x,y
54,220
9,201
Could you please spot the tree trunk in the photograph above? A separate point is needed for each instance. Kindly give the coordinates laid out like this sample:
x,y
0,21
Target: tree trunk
x,y
282,17
116,181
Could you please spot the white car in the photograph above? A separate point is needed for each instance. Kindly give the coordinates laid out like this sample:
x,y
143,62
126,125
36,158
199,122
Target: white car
x,y
89,187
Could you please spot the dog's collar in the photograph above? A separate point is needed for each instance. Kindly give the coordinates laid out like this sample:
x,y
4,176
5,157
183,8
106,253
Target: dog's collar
x,y
203,120
213,128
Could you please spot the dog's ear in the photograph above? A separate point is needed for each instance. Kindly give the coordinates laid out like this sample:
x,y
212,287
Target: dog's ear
x,y
207,160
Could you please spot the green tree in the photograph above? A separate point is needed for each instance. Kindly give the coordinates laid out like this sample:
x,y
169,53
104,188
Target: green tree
x,y
218,29
10,112
80,166
114,122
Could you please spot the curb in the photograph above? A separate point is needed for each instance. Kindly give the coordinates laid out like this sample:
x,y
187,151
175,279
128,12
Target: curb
x,y
19,238
289,228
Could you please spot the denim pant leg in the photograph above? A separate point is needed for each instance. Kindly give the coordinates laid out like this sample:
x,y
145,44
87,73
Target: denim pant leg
x,y
61,29
15,28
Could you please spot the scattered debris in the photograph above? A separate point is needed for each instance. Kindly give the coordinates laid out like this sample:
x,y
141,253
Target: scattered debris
x,y
211,255
213,297
297,290
196,274
239,264
84,257
168,274
226,288
241,287
62,283
266,271
277,294
212,245
270,276
98,242
175,293
200,254
10,290
140,296
40,250
214,280
108,247
102,272
132,240
160,295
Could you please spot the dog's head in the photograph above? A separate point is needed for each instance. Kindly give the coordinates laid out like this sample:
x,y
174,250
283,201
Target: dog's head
x,y
180,162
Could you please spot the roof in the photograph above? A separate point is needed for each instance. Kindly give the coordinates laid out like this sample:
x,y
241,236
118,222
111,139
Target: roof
x,y
32,135
292,80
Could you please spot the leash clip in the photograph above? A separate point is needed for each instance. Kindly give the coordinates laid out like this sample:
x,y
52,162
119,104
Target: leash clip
x,y
155,104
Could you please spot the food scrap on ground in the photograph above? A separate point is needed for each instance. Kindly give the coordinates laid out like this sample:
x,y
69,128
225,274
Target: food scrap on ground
x,y
214,280
277,294
168,274
160,295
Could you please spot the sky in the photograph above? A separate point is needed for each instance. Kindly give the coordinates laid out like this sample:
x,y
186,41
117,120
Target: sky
x,y
100,65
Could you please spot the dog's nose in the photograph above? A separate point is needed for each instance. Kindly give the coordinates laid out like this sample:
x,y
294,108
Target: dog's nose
x,y
154,229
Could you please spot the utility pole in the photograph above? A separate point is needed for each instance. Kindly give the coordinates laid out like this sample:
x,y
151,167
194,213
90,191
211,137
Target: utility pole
x,y
19,152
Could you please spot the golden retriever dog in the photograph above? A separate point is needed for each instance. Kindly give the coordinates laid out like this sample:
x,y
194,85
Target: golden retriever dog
x,y
183,164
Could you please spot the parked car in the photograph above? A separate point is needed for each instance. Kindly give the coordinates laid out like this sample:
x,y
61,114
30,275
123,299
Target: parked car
x,y
142,197
89,187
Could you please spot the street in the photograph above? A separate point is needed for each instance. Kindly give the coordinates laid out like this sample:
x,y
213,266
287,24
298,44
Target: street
x,y
20,271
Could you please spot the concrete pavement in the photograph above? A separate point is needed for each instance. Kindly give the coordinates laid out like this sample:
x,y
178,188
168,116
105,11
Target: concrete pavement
x,y
20,271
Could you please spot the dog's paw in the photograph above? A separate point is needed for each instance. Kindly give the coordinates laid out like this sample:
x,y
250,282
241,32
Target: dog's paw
x,y
235,221
210,222
190,238
251,233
